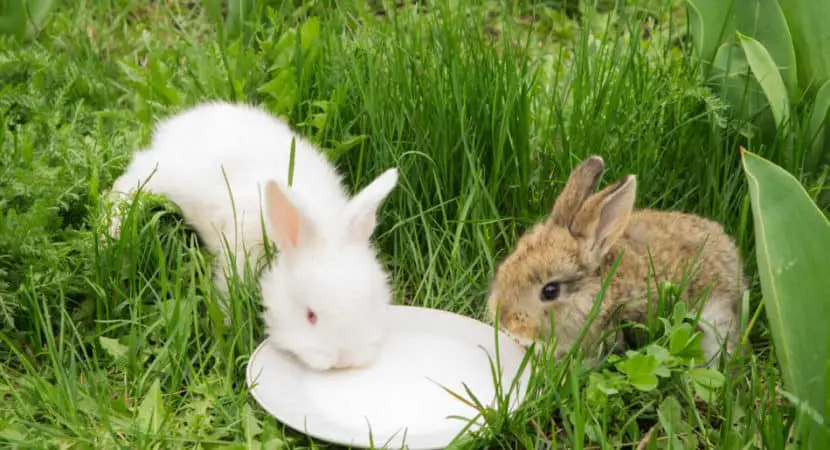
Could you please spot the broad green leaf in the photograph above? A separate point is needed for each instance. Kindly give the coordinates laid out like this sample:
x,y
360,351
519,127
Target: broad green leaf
x,y
764,21
37,10
684,342
160,82
662,371
250,425
283,88
643,381
807,20
213,9
793,241
151,409
826,415
639,369
21,18
10,434
817,154
593,431
670,416
309,46
637,363
274,444
12,19
706,382
348,143
709,22
707,377
283,51
714,25
239,13
310,34
732,80
679,337
768,76
679,312
603,385
113,347
659,353
704,392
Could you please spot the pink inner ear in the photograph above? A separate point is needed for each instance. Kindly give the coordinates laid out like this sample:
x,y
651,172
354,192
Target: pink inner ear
x,y
285,220
292,232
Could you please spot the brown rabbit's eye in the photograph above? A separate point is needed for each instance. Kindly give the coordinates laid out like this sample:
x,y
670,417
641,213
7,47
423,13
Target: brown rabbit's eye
x,y
312,318
550,291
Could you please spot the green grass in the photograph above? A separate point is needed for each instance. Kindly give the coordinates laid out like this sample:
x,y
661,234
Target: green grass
x,y
484,111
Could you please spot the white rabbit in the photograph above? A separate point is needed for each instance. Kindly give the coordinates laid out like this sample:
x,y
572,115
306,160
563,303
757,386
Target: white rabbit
x,y
326,293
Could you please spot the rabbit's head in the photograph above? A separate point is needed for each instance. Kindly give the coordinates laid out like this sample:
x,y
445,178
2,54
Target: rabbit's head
x,y
554,271
327,293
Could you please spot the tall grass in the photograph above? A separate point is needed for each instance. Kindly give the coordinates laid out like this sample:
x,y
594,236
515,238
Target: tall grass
x,y
124,345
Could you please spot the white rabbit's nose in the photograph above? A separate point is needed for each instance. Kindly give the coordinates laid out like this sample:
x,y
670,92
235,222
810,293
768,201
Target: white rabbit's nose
x,y
356,359
342,362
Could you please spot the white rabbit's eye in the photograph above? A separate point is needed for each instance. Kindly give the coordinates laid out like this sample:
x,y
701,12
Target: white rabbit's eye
x,y
549,292
310,316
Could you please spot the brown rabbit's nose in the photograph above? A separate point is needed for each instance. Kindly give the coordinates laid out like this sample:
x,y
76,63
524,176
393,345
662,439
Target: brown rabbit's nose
x,y
511,321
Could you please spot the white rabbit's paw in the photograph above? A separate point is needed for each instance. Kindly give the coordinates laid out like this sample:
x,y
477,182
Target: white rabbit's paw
x,y
114,209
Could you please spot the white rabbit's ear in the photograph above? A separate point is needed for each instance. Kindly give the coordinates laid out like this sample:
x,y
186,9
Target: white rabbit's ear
x,y
288,225
363,207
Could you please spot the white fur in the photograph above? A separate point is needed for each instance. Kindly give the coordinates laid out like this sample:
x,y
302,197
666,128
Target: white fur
x,y
333,270
715,317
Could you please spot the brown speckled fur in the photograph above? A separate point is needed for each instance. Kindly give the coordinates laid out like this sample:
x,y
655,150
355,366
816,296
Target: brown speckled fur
x,y
572,248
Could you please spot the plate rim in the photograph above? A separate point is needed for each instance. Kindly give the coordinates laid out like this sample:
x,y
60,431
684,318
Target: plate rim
x,y
523,379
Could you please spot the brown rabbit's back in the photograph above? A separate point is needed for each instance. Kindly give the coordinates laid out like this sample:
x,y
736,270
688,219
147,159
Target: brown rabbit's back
x,y
679,243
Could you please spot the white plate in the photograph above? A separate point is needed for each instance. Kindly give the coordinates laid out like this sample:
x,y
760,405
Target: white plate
x,y
395,395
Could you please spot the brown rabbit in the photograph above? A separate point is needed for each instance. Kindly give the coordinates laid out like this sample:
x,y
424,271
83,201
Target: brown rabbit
x,y
558,267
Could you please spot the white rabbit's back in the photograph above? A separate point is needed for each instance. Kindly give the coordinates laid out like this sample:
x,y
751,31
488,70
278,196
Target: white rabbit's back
x,y
191,148
252,146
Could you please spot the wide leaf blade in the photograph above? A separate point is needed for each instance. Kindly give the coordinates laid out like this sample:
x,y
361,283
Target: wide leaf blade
x,y
807,20
793,244
714,26
732,80
765,71
239,13
764,21
816,131
151,410
213,9
710,21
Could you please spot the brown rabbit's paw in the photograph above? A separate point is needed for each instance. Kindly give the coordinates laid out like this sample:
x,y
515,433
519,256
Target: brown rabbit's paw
x,y
719,326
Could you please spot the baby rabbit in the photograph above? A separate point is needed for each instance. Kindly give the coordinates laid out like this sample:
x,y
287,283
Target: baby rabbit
x,y
558,267
326,294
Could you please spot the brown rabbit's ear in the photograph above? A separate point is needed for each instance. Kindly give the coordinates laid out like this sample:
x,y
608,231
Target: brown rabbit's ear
x,y
581,183
603,218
